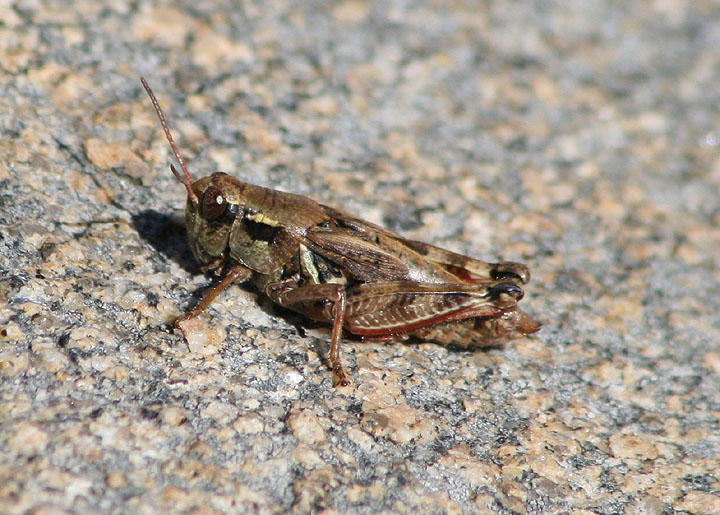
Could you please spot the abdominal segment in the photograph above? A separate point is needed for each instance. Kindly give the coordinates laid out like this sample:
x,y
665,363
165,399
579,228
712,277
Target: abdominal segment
x,y
481,331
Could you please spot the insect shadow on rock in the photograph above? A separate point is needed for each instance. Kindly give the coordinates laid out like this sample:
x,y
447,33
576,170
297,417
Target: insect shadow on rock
x,y
336,268
166,234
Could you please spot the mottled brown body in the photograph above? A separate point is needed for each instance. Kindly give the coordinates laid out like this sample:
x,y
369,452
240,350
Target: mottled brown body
x,y
336,268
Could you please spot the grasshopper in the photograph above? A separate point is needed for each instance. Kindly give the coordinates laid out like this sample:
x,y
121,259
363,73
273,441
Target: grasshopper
x,y
333,267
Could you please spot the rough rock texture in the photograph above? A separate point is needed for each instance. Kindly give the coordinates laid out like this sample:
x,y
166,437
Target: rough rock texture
x,y
578,137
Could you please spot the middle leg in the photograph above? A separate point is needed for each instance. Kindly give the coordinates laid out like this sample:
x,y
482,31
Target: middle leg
x,y
304,299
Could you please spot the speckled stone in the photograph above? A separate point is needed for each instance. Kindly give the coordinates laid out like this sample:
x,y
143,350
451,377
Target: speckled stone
x,y
581,138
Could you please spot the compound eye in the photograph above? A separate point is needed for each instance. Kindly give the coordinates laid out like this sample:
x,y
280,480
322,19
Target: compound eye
x,y
213,203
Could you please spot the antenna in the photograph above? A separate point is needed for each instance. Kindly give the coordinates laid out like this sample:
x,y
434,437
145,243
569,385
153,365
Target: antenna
x,y
187,180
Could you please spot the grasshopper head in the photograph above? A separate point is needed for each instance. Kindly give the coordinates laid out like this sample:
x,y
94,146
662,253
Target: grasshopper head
x,y
211,209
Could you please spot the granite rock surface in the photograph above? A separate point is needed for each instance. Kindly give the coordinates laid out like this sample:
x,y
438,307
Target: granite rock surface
x,y
580,138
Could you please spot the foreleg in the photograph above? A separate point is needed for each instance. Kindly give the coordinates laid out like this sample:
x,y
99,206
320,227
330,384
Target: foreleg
x,y
238,273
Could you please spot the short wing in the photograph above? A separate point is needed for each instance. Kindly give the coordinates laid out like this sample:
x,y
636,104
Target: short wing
x,y
457,265
363,260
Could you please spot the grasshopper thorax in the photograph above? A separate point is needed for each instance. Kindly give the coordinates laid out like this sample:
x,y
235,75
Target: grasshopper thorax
x,y
255,226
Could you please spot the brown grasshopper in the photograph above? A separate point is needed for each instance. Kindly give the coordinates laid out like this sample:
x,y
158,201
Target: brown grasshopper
x,y
333,267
